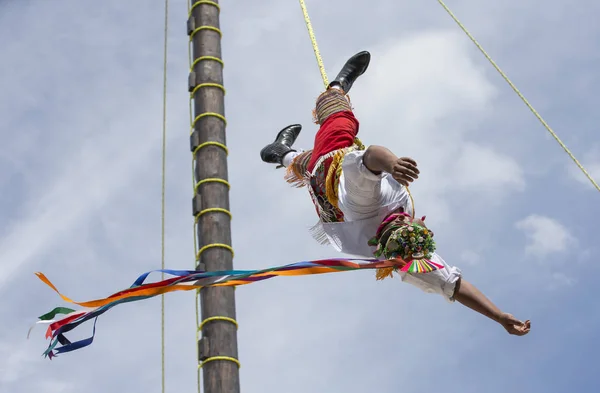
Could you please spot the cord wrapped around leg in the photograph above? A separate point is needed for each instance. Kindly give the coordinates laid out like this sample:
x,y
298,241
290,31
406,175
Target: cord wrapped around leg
x,y
329,102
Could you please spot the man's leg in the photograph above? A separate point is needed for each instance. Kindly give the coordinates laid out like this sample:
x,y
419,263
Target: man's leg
x,y
354,67
281,148
468,295
449,283
278,151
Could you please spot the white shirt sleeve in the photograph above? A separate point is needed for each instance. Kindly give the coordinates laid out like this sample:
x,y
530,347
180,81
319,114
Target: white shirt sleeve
x,y
362,194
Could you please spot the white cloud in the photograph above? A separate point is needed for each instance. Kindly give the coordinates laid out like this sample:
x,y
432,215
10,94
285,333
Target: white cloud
x,y
426,97
86,184
545,235
424,79
11,363
259,24
483,170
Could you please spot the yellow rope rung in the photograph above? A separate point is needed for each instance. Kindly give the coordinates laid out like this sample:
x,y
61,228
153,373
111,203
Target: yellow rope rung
x,y
209,143
201,85
213,319
521,96
214,210
198,3
203,58
212,180
210,28
208,114
215,245
226,358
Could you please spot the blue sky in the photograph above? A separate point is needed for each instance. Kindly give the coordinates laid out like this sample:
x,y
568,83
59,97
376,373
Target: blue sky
x,y
80,120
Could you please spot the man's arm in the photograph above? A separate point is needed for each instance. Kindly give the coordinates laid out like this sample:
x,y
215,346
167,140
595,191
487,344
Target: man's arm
x,y
379,159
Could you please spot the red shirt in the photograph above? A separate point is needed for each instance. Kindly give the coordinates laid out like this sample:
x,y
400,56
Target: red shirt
x,y
337,132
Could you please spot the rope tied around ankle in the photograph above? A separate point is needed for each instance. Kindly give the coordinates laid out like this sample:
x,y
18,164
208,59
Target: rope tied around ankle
x,y
331,101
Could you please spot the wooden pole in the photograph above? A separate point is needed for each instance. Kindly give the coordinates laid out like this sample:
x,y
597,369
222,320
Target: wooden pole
x,y
217,347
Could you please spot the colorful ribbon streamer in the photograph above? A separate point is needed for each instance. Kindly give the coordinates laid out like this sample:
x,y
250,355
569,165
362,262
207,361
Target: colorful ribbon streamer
x,y
186,280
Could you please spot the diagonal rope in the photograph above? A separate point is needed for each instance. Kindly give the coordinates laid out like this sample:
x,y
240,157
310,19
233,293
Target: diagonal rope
x,y
539,117
164,162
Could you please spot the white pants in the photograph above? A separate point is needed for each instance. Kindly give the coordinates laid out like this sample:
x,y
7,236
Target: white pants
x,y
365,199
362,194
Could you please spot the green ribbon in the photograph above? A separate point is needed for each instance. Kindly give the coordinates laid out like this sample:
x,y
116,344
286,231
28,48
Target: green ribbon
x,y
58,310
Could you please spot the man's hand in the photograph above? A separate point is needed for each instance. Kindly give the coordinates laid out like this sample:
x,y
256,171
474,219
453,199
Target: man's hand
x,y
404,170
514,326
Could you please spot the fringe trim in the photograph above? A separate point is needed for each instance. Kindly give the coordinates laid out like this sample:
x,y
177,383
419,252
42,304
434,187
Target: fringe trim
x,y
298,176
388,272
318,233
293,178
295,173
384,272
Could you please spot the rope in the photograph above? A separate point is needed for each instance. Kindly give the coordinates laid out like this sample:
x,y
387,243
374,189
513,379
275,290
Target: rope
x,y
164,160
205,28
213,210
196,4
313,41
212,180
214,245
212,319
207,114
201,58
201,85
196,184
539,117
213,358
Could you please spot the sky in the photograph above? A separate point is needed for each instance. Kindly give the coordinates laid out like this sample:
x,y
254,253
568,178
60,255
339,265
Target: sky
x,y
80,182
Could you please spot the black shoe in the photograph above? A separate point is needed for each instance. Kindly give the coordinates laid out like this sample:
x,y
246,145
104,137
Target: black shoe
x,y
274,152
354,67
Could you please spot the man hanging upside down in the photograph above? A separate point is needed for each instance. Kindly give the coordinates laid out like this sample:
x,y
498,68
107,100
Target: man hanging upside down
x,y
362,200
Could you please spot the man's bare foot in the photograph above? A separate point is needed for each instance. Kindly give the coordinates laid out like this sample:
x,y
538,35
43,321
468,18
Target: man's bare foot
x,y
514,326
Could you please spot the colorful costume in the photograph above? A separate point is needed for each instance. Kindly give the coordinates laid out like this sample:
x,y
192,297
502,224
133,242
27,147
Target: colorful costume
x,y
355,205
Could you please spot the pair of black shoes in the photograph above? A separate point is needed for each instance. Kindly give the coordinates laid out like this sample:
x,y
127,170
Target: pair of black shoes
x,y
274,152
